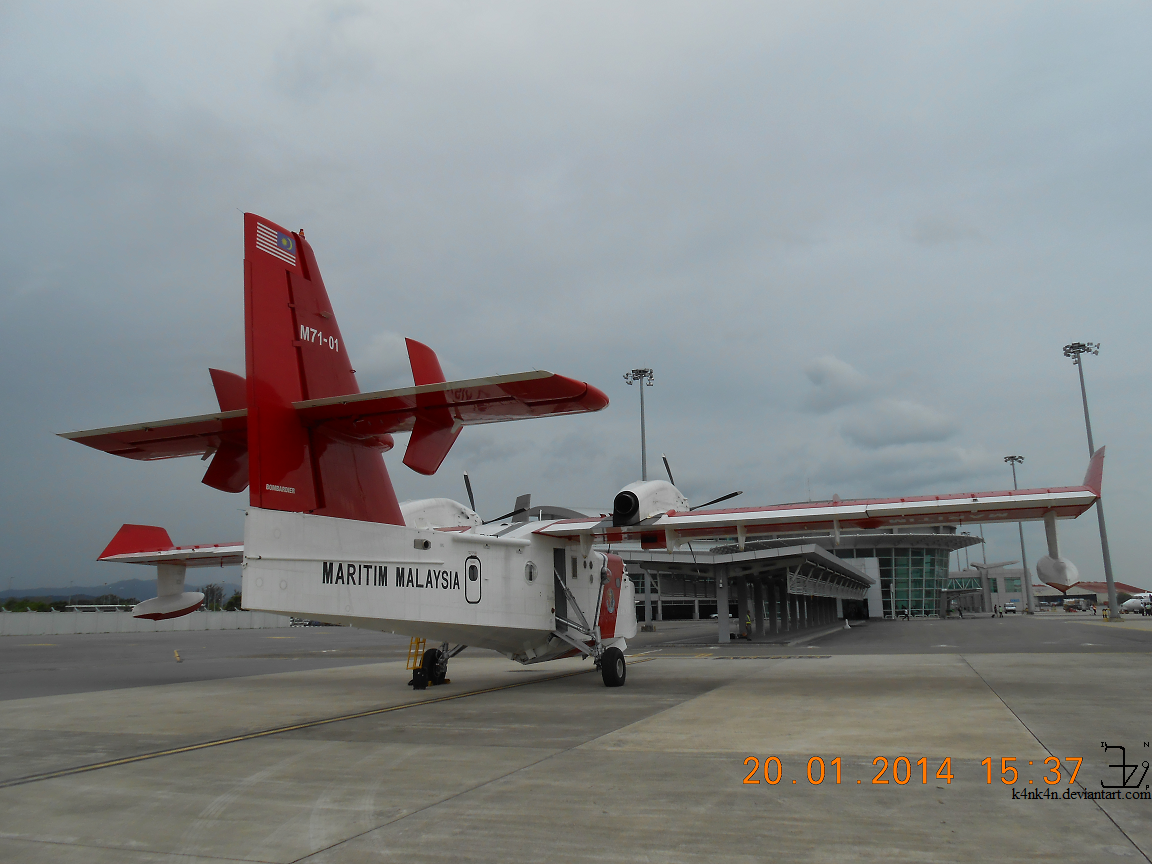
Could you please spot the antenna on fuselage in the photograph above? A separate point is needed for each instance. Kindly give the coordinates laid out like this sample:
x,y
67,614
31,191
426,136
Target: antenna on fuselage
x,y
668,468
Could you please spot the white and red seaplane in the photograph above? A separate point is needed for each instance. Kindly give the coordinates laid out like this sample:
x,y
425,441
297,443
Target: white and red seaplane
x,y
325,537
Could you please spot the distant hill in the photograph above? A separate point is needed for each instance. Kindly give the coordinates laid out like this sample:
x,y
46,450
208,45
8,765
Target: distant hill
x,y
141,589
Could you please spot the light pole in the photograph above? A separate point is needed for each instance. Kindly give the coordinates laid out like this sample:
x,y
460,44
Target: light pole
x,y
1028,601
1076,351
644,378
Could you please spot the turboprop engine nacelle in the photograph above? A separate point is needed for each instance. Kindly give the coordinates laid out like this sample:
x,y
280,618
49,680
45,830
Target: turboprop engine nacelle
x,y
644,499
438,513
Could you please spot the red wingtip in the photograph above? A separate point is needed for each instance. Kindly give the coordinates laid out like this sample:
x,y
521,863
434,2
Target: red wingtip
x,y
425,365
1094,478
137,538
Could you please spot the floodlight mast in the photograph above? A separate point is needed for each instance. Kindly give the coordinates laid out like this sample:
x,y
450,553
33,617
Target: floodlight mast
x,y
644,378
1076,351
1028,599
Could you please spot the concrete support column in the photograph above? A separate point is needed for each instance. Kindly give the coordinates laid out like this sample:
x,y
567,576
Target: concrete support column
x,y
758,608
696,609
647,597
741,604
721,604
773,617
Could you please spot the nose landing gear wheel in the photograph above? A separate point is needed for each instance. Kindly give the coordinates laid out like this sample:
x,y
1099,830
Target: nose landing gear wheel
x,y
432,668
612,668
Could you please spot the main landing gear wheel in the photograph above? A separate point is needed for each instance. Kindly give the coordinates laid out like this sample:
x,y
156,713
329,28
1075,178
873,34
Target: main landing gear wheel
x,y
433,668
613,668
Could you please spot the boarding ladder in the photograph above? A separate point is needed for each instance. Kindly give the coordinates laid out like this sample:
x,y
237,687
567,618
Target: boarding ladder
x,y
415,653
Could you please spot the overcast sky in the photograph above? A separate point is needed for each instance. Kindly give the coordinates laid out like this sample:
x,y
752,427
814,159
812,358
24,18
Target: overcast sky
x,y
851,240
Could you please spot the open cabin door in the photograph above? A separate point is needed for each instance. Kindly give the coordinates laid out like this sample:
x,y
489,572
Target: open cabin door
x,y
560,601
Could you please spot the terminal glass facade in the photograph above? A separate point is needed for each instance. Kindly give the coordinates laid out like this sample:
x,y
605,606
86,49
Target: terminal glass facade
x,y
909,578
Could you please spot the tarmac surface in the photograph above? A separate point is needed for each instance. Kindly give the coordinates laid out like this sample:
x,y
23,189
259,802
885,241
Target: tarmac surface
x,y
312,748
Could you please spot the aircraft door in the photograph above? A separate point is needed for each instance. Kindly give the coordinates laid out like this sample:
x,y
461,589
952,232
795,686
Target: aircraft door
x,y
473,581
561,599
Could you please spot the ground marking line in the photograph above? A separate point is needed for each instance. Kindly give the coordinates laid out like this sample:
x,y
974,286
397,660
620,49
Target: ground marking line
x,y
128,760
136,851
1048,750
533,764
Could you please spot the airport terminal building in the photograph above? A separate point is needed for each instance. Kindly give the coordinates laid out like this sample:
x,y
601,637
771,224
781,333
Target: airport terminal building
x,y
907,569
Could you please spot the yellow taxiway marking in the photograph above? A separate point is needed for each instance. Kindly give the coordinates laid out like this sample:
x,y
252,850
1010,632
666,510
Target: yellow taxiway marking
x,y
128,760
39,645
279,637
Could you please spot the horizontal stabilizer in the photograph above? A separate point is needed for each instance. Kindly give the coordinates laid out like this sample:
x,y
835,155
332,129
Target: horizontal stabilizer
x,y
469,403
367,417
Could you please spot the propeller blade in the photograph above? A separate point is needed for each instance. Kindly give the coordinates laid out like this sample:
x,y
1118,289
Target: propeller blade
x,y
715,501
516,512
668,468
468,486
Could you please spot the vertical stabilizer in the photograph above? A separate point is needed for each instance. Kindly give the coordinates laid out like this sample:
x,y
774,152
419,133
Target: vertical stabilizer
x,y
295,352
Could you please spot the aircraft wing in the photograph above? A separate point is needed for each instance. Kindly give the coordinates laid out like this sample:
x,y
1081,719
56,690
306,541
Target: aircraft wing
x,y
148,544
833,516
219,555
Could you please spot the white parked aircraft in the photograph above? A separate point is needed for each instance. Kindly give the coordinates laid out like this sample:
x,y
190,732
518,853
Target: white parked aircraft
x,y
1137,603
326,539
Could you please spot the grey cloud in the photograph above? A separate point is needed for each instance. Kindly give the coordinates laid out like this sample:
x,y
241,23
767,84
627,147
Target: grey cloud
x,y
326,53
483,446
888,422
708,190
935,230
837,384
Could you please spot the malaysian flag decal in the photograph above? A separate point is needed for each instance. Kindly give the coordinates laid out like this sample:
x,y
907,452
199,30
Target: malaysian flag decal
x,y
276,243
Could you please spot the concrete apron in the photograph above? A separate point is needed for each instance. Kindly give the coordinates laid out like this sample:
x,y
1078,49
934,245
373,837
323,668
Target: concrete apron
x,y
568,769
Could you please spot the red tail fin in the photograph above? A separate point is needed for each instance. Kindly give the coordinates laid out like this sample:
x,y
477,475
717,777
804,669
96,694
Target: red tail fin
x,y
295,352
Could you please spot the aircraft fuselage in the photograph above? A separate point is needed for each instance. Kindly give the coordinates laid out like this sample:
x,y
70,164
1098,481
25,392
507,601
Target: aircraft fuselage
x,y
494,586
